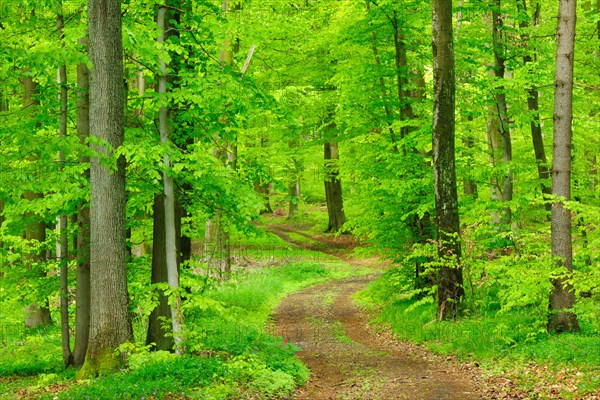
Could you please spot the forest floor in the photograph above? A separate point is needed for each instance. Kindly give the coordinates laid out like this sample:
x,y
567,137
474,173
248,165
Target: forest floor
x,y
350,358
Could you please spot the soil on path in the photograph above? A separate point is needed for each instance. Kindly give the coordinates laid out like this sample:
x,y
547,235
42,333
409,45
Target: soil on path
x,y
351,360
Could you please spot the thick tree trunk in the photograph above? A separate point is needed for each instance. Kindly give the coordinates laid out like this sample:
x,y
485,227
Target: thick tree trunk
x,y
333,188
561,317
62,249
82,293
159,331
450,289
110,323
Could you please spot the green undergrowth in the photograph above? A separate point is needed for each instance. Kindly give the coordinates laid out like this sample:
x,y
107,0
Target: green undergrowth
x,y
233,350
501,341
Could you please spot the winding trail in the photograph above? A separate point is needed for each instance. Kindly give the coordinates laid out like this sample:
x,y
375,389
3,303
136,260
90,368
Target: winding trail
x,y
351,360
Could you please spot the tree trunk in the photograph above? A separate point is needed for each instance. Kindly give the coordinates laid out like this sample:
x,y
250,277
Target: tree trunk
x,y
62,248
159,332
534,108
469,184
3,107
561,317
386,107
501,115
217,250
35,314
110,323
170,241
450,289
333,188
406,112
82,293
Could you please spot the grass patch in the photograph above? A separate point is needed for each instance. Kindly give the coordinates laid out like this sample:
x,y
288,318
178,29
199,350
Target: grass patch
x,y
234,352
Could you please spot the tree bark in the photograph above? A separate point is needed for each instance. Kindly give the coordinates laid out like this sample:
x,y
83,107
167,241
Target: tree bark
x,y
35,314
110,323
170,241
386,107
333,188
405,108
3,107
82,292
561,318
159,331
216,234
62,248
533,106
294,180
501,115
450,289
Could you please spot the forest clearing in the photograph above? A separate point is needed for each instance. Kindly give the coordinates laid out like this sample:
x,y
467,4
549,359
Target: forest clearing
x,y
313,199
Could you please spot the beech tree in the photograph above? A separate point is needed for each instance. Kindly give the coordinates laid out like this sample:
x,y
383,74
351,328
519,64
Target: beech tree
x,y
82,290
562,298
450,281
110,323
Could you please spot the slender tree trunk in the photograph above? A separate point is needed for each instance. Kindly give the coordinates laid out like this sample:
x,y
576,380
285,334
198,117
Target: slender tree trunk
x,y
501,114
3,107
217,246
401,63
386,107
534,109
62,250
450,289
110,323
35,314
561,318
333,188
170,233
294,181
469,184
82,293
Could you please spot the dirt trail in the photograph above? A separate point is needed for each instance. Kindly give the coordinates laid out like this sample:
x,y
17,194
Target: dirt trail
x,y
350,360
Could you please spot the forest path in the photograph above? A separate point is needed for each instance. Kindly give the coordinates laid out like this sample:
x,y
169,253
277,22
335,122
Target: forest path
x,y
351,360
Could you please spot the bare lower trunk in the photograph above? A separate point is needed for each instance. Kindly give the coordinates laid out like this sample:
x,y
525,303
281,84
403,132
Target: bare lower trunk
x,y
469,184
450,281
333,188
294,198
561,317
217,251
160,331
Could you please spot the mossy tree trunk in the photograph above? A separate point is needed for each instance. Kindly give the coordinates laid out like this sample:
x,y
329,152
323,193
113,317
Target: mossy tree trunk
x,y
110,323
